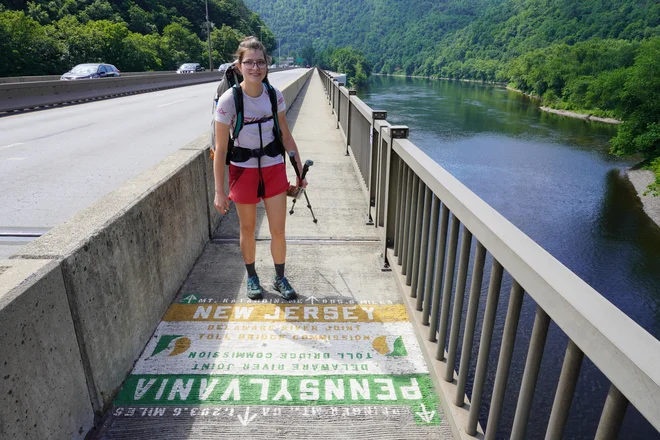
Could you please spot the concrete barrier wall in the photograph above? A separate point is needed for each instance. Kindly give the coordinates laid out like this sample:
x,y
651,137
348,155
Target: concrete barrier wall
x,y
41,373
110,272
123,259
18,96
41,78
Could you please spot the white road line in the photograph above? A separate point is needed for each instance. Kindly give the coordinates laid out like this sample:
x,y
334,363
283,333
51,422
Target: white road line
x,y
16,158
173,102
11,145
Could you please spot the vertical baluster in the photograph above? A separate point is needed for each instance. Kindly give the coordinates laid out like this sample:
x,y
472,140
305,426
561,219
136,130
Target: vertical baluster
x,y
504,363
410,239
466,243
399,209
423,250
411,278
531,373
484,346
570,371
612,416
406,221
438,271
448,287
470,322
435,211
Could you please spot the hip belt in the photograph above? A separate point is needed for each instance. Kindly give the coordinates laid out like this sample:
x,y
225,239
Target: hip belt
x,y
240,154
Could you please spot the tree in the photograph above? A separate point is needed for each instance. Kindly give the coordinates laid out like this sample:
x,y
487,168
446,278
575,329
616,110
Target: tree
x,y
224,42
141,53
640,132
181,44
308,53
25,46
351,62
140,21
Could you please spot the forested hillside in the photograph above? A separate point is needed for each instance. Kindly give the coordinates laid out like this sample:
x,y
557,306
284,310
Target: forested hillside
x,y
592,56
49,37
390,32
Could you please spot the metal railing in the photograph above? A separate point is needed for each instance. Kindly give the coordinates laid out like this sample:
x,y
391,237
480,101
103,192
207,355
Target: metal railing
x,y
436,236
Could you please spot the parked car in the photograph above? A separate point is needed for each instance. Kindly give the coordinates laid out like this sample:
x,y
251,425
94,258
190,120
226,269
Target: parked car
x,y
88,71
224,67
190,68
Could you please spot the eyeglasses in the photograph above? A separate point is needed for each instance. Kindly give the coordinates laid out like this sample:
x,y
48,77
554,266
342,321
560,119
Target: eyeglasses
x,y
251,64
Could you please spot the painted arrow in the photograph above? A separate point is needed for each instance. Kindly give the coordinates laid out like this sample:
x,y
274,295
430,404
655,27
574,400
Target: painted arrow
x,y
189,299
426,415
312,299
248,418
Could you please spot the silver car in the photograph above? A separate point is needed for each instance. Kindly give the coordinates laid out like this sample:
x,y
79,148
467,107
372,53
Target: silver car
x,y
224,67
89,71
190,68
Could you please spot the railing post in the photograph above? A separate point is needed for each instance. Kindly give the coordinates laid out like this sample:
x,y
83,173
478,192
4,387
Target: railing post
x,y
338,113
570,371
348,130
530,374
612,416
390,186
374,171
334,93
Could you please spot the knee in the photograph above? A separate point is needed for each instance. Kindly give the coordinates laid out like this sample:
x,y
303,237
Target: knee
x,y
248,228
277,232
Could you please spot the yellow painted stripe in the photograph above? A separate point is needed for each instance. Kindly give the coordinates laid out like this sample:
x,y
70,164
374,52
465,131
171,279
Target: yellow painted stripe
x,y
287,313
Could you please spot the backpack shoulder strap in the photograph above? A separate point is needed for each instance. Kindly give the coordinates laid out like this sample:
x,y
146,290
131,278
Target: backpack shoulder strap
x,y
238,104
272,95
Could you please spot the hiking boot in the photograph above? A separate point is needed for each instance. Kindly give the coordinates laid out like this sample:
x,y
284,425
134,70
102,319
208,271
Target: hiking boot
x,y
254,289
286,291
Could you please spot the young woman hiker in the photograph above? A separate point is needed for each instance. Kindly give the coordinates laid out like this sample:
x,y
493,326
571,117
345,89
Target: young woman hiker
x,y
257,169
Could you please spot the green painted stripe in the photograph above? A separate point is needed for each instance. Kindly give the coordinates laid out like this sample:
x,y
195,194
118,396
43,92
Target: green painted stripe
x,y
415,390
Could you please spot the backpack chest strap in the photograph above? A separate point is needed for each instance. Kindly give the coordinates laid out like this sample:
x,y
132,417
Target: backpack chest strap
x,y
259,121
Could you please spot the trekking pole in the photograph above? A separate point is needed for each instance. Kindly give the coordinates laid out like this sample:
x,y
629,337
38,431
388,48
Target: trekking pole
x,y
308,163
294,164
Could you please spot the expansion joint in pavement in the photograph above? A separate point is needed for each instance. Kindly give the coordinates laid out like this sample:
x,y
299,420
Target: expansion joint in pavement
x,y
304,240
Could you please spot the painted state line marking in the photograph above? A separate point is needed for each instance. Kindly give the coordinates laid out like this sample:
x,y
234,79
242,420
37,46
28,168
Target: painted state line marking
x,y
287,313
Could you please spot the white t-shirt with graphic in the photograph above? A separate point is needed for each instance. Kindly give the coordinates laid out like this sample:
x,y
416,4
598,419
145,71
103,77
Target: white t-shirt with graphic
x,y
253,110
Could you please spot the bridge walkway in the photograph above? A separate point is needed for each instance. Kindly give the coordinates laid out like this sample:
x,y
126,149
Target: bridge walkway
x,y
340,362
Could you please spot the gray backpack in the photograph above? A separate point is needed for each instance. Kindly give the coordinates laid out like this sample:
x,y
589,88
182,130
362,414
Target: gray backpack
x,y
229,79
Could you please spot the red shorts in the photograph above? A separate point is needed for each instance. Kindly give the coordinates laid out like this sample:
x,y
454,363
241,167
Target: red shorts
x,y
244,183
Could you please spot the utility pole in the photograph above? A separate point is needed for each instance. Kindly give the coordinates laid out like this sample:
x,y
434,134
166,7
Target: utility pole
x,y
208,34
279,50
261,34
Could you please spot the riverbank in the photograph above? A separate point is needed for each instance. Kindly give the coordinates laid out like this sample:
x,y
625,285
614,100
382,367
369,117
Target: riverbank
x,y
586,117
580,115
478,81
641,179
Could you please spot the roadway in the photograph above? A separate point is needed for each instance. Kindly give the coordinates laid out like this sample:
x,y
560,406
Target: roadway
x,y
56,162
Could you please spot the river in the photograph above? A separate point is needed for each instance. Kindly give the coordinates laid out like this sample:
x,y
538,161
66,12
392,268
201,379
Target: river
x,y
553,178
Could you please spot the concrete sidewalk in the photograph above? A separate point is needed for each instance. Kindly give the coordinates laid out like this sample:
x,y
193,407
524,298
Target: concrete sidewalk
x,y
341,362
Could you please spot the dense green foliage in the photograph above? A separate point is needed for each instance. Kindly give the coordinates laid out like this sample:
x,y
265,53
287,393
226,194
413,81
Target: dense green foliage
x,y
346,60
49,37
593,56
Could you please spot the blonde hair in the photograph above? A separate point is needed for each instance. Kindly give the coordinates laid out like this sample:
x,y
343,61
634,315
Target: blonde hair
x,y
251,43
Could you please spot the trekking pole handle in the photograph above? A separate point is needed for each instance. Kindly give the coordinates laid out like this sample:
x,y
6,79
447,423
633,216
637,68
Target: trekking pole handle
x,y
292,158
308,163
